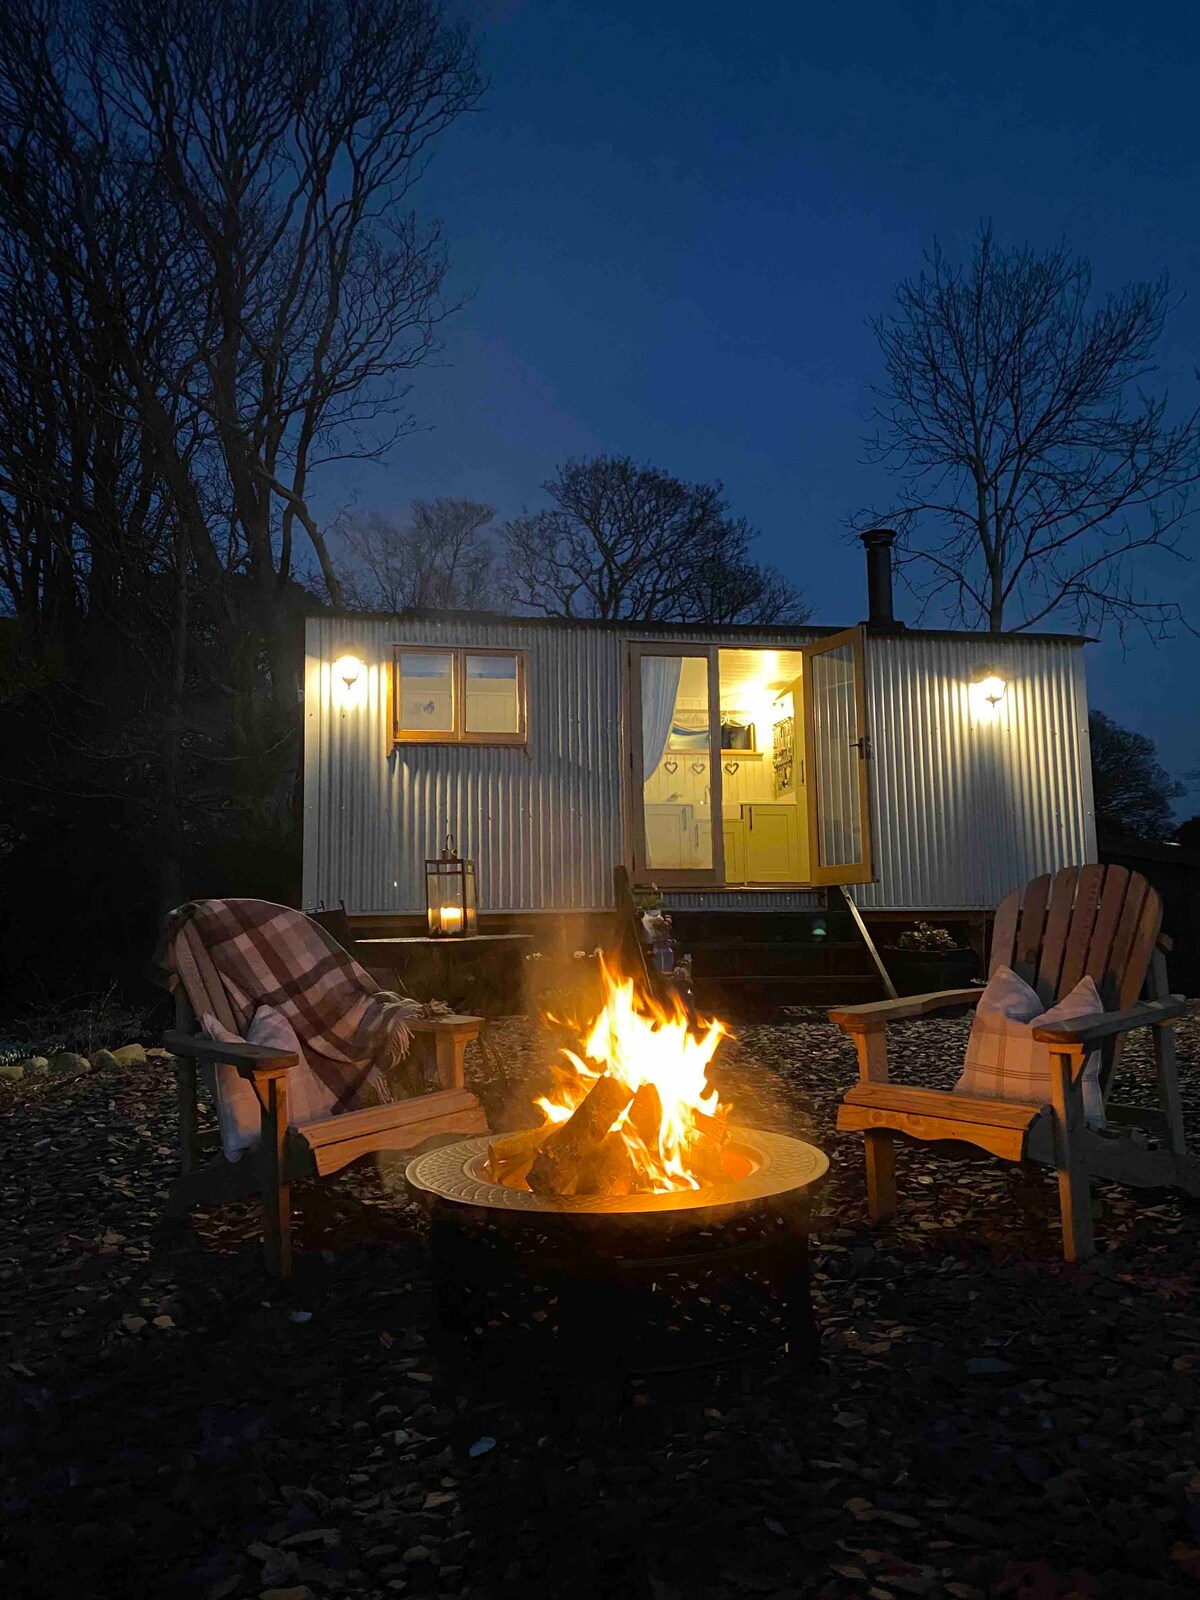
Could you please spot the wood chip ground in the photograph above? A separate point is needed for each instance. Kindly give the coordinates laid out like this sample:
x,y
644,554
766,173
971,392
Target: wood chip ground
x,y
987,1422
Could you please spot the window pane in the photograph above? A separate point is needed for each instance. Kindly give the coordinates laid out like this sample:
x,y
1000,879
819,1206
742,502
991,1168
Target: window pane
x,y
426,691
493,695
676,763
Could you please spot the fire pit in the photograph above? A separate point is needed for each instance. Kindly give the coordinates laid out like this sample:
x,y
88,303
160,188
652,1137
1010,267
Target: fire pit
x,y
760,1166
627,1283
637,1228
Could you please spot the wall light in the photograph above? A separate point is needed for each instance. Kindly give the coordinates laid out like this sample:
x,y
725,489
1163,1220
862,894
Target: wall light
x,y
347,668
992,688
987,691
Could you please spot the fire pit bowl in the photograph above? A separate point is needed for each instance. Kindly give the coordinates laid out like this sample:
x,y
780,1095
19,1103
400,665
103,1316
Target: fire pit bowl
x,y
627,1283
761,1165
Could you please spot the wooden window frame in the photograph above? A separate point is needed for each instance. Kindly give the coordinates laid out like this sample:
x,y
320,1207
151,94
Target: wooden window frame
x,y
458,735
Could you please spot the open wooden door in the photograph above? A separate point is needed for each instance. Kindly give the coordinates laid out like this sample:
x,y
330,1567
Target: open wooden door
x,y
675,765
838,755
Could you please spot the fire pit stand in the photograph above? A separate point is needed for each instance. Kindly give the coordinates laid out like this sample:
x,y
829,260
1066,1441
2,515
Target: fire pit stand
x,y
628,1285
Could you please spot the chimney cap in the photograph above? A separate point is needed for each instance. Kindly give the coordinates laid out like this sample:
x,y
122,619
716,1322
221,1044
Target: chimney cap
x,y
878,536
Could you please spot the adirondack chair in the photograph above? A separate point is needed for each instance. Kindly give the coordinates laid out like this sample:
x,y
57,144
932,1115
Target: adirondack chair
x,y
314,1149
1101,921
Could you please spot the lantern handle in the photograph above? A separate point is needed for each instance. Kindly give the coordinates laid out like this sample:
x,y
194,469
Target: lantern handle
x,y
450,848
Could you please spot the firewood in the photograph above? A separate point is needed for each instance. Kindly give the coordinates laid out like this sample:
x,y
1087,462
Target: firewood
x,y
509,1150
645,1115
705,1161
704,1156
555,1170
715,1128
608,1168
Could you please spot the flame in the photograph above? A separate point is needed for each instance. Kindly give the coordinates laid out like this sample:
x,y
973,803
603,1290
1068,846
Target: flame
x,y
642,1042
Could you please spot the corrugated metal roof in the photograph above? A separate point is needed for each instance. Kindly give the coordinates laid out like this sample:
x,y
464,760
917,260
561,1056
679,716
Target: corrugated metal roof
x,y
715,631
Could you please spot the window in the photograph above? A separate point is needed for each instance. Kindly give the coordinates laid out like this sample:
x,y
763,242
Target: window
x,y
459,696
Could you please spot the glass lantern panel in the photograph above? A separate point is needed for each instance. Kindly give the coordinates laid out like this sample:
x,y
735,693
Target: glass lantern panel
x,y
446,898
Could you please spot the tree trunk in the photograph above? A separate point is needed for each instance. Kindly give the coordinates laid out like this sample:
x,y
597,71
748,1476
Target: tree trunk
x,y
170,864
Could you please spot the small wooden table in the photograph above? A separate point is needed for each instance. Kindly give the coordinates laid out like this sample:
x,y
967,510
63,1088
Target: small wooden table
x,y
480,973
447,941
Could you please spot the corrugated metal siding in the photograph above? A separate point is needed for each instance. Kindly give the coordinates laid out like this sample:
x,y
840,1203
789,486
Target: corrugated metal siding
x,y
965,809
742,899
543,823
962,810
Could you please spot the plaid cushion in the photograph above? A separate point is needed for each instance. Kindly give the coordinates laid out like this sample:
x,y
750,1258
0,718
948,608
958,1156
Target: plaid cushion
x,y
1083,1001
350,1030
1005,1062
999,1063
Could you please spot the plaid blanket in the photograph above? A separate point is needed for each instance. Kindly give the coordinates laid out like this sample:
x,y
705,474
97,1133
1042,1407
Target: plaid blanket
x,y
350,1030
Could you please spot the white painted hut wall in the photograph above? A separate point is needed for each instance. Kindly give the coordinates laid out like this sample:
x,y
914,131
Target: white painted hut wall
x,y
962,810
966,807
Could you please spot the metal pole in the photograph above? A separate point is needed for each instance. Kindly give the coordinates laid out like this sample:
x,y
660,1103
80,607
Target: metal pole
x,y
888,985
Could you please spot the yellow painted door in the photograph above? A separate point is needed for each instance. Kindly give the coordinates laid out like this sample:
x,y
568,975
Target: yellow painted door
x,y
665,833
771,844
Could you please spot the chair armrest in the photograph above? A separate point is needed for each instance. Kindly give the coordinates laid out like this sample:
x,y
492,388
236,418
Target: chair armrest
x,y
1087,1031
242,1055
878,1013
446,1022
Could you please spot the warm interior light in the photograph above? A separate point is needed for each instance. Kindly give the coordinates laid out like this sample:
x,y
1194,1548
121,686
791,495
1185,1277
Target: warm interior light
x,y
451,919
347,669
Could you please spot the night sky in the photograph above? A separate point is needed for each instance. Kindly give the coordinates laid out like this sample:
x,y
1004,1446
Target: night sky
x,y
674,221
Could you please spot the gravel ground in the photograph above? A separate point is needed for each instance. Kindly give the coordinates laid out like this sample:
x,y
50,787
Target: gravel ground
x,y
985,1421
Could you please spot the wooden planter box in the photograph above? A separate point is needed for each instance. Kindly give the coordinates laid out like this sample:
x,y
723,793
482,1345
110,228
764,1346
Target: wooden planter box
x,y
929,971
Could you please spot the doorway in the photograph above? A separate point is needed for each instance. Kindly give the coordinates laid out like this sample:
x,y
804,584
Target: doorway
x,y
763,818
749,765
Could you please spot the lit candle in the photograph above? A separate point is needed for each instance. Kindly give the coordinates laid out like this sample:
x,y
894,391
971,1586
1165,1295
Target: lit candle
x,y
451,919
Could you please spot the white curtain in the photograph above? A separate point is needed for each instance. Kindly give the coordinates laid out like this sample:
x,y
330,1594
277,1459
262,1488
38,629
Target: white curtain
x,y
660,685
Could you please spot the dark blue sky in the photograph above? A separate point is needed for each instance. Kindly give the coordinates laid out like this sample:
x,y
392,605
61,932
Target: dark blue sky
x,y
674,220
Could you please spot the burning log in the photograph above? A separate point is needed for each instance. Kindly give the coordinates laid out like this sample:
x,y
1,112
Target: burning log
x,y
557,1166
645,1115
705,1153
608,1168
510,1150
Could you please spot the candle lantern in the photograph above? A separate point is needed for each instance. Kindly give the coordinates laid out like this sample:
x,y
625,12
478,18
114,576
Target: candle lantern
x,y
450,894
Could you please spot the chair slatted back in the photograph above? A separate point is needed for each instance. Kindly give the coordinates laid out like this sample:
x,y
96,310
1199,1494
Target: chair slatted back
x,y
200,979
1098,921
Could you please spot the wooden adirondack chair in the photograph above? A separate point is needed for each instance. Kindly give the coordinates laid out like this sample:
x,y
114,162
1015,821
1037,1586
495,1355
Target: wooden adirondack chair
x,y
314,1149
1095,920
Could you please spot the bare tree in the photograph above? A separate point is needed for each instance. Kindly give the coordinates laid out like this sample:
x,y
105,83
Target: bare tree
x,y
284,290
627,541
212,283
440,560
1032,467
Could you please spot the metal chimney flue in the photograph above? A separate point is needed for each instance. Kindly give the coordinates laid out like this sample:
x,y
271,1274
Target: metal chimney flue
x,y
878,544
